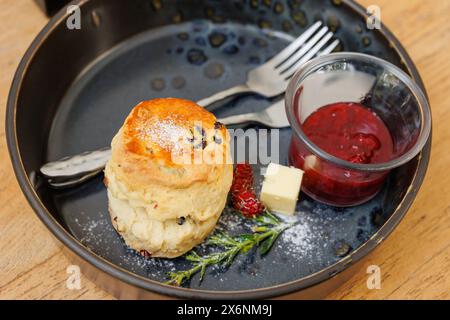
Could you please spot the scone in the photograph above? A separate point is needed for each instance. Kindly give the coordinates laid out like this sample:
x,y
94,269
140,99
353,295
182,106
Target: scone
x,y
168,177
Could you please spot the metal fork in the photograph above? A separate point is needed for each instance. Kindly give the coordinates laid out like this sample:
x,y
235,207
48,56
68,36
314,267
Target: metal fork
x,y
271,78
272,117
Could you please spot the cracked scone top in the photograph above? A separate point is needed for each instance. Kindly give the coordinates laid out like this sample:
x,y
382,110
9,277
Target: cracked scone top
x,y
168,177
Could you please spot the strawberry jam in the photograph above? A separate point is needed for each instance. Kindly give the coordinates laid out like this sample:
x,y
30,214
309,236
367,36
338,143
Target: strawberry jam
x,y
351,132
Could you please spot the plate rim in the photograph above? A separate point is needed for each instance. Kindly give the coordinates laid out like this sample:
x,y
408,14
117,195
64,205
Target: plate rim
x,y
147,284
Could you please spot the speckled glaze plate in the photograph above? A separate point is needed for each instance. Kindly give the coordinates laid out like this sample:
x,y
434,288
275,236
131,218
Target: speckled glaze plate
x,y
74,88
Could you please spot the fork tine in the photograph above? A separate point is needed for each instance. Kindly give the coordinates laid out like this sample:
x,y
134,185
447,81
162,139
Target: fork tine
x,y
290,49
326,51
330,48
300,53
311,53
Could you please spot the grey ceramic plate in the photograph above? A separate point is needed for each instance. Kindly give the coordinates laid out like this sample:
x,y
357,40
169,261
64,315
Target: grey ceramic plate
x,y
74,88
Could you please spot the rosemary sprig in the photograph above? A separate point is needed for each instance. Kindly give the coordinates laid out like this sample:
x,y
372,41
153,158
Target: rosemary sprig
x,y
265,233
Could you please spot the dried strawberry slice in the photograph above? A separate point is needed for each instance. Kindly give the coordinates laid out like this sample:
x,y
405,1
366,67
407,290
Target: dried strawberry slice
x,y
248,204
243,195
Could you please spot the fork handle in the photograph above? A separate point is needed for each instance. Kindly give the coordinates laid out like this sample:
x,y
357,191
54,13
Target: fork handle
x,y
224,94
237,119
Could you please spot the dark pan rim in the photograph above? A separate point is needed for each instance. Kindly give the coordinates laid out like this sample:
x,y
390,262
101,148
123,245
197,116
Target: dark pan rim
x,y
147,284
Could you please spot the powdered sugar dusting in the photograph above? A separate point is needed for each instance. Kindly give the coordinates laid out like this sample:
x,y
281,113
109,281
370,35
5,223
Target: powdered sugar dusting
x,y
296,240
165,133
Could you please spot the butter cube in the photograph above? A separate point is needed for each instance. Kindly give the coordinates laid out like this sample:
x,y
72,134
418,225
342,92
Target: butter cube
x,y
280,188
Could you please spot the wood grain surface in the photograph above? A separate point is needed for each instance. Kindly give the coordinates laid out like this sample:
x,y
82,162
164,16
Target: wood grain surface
x,y
414,260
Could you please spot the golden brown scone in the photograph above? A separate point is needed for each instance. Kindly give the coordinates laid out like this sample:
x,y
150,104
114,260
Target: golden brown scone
x,y
168,177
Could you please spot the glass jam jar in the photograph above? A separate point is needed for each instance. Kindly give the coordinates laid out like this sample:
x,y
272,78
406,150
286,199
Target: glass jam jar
x,y
354,118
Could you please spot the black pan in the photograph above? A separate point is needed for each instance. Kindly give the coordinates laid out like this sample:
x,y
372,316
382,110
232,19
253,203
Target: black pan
x,y
74,88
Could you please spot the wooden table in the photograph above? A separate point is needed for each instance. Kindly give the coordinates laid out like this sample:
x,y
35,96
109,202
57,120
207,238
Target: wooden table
x,y
414,260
